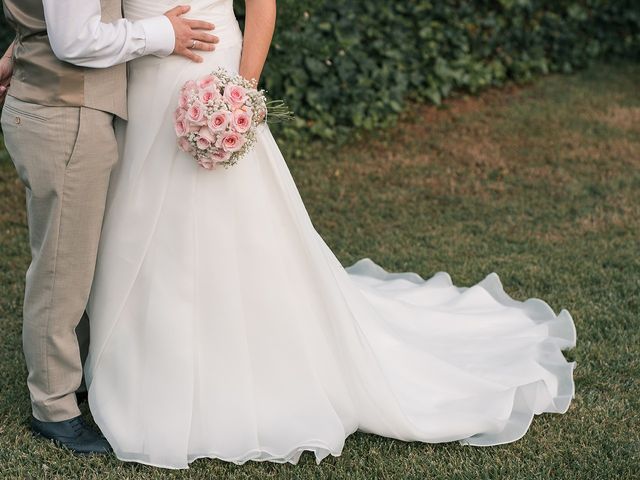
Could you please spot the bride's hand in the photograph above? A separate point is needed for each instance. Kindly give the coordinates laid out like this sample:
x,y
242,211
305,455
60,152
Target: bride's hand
x,y
190,34
6,70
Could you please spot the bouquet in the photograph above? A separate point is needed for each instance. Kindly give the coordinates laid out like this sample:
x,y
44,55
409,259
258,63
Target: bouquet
x,y
217,118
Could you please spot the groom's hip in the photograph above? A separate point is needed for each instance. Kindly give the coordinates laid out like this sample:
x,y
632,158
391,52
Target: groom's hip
x,y
64,157
53,145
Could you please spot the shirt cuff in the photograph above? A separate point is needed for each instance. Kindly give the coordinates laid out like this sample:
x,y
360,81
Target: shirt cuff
x,y
159,36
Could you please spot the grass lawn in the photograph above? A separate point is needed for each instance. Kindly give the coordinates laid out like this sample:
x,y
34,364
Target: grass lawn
x,y
540,184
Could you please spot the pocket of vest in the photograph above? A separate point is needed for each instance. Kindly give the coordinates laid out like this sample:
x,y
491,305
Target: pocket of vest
x,y
22,113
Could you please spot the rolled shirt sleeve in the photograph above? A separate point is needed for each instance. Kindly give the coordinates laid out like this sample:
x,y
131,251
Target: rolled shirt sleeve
x,y
78,35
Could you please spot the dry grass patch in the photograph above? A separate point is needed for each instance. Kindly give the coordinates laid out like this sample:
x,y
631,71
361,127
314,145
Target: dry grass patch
x,y
622,117
615,211
620,150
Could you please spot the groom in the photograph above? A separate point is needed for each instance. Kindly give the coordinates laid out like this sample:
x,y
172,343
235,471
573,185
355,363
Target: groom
x,y
68,83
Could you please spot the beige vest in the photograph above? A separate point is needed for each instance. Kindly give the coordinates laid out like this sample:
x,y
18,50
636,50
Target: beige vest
x,y
39,77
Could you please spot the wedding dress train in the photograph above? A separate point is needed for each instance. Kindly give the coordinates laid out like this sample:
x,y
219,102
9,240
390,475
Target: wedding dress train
x,y
223,326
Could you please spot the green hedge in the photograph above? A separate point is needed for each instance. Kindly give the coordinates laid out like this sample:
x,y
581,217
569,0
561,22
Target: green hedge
x,y
356,63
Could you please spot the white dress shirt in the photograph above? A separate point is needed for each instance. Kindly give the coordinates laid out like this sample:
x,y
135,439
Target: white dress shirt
x,y
77,34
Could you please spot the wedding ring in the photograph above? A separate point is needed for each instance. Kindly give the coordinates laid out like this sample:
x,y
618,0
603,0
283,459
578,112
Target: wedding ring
x,y
193,45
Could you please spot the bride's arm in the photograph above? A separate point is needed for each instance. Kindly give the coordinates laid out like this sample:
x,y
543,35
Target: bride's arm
x,y
260,20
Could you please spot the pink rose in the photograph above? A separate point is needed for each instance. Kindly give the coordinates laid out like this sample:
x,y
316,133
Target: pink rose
x,y
206,163
195,114
232,142
235,94
203,143
206,138
184,100
181,127
241,121
204,132
189,87
208,95
219,156
208,81
179,114
184,145
218,121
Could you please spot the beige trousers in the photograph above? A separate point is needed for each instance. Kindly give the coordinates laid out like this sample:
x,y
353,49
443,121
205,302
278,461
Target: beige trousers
x,y
64,157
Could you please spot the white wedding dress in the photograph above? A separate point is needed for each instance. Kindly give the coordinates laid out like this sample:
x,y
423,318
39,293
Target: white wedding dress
x,y
223,326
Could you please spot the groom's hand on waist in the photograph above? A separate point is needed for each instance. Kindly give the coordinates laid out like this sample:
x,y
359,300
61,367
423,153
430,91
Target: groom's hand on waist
x,y
190,34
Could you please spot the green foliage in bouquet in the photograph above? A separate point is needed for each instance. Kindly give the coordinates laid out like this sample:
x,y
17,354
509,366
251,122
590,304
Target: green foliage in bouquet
x,y
358,63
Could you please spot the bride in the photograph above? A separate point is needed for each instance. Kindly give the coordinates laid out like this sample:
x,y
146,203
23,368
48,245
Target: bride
x,y
223,326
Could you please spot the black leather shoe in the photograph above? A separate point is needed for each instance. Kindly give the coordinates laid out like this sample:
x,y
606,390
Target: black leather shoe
x,y
74,434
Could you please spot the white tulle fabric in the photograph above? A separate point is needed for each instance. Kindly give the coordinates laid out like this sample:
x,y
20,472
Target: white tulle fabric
x,y
223,326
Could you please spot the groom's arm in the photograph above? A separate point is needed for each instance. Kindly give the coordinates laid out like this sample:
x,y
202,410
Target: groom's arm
x,y
78,35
